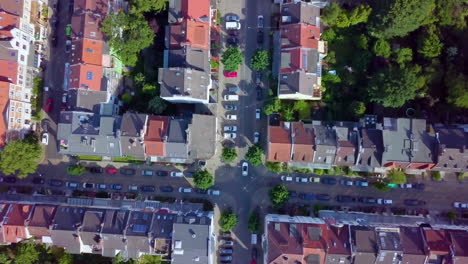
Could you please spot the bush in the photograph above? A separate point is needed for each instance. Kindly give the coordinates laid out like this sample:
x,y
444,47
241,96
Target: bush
x,y
228,154
87,157
214,64
254,222
396,177
318,171
461,176
76,170
227,221
126,98
203,179
273,166
255,155
436,176
302,170
279,195
381,186
124,159
451,215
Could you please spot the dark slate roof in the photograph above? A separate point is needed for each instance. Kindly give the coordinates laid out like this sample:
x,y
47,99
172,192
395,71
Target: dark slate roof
x,y
365,244
190,57
91,227
297,82
325,144
175,10
183,83
112,232
190,241
139,226
452,150
413,245
86,100
63,232
300,12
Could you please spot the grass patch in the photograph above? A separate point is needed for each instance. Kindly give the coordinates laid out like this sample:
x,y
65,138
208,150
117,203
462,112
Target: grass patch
x,y
124,159
76,170
87,157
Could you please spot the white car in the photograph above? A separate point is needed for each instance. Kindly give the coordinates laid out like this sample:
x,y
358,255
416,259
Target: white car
x,y
176,174
231,117
230,135
133,188
64,98
260,21
256,137
45,139
286,178
245,168
214,192
302,179
406,186
314,179
384,201
230,128
185,190
460,205
257,113
225,242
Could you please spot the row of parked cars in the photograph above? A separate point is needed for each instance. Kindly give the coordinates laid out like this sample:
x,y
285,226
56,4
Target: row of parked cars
x,y
226,248
144,172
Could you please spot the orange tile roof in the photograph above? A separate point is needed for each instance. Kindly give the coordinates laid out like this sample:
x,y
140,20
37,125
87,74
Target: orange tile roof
x,y
4,87
303,35
198,34
87,51
86,76
14,229
155,133
437,241
195,9
279,144
9,71
7,23
303,142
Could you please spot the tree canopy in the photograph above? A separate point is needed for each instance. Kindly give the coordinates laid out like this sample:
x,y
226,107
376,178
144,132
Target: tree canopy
x,y
254,222
128,34
279,195
260,60
457,89
334,15
397,18
429,44
157,105
27,253
382,48
203,179
403,55
392,87
357,108
20,157
396,176
144,6
227,221
228,154
232,58
255,155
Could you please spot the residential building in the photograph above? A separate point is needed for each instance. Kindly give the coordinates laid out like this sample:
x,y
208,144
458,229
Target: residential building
x,y
370,150
408,144
347,138
459,250
438,244
412,243
137,234
202,137
132,134
83,100
191,240
38,225
325,145
279,142
302,139
452,154
176,143
3,108
90,231
189,57
155,136
64,229
339,248
389,245
184,85
3,210
14,223
162,233
113,232
364,244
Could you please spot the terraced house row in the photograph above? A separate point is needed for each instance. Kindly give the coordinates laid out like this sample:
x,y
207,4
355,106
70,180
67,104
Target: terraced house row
x,y
23,34
330,240
182,235
369,146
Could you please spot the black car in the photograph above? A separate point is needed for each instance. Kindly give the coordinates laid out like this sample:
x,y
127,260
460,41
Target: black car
x,y
38,180
201,191
127,171
116,187
323,197
95,170
419,186
345,199
9,179
233,41
148,188
162,173
233,33
306,196
414,202
259,94
260,37
292,194
254,254
189,174
330,181
55,183
166,189
367,200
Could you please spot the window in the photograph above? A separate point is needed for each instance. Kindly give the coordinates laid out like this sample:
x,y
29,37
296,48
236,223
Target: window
x,y
92,34
89,76
89,50
12,108
17,44
12,120
22,58
18,121
20,109
26,111
24,47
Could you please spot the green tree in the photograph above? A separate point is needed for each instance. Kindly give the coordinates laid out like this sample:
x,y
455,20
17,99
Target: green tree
x,y
429,45
144,6
27,253
255,155
451,215
228,154
203,179
150,259
273,166
260,60
403,55
328,35
4,258
303,109
334,15
126,98
20,157
392,87
254,222
157,105
331,13
382,48
128,34
381,186
76,170
231,59
149,89
457,89
436,176
361,60
452,13
362,41
272,106
397,18
227,221
358,108
66,259
360,14
287,112
279,195
396,176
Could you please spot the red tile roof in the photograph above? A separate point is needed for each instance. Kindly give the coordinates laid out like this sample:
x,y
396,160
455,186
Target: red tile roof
x,y
86,76
437,241
3,210
95,6
155,134
295,60
7,23
9,71
4,91
303,138
41,219
301,35
87,26
338,240
195,9
190,33
87,51
279,144
284,247
14,229
12,6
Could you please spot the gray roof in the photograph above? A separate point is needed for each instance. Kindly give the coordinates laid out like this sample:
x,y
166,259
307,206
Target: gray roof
x,y
190,243
372,148
406,140
7,52
131,129
202,137
161,232
86,100
310,60
89,134
139,226
112,232
184,84
347,140
389,246
89,231
300,12
176,145
175,10
365,244
325,144
64,227
190,57
452,150
297,82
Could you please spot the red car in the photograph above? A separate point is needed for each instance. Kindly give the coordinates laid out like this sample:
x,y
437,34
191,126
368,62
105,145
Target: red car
x,y
111,170
48,105
230,74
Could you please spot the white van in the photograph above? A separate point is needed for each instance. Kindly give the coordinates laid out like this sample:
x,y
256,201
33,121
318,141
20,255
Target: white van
x,y
231,97
233,25
231,117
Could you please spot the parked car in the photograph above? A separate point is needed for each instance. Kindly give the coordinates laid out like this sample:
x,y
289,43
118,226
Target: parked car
x,y
111,170
127,171
360,183
260,37
95,170
233,89
406,186
189,174
314,179
258,78
233,32
414,202
64,98
72,185
166,189
260,21
306,196
460,205
226,251
287,178
323,197
292,194
101,186
226,243
148,188
68,46
346,182
256,137
45,139
419,186
177,174
257,113
116,187
133,188
233,42
259,93
55,183
230,128
231,117
302,179
230,74
225,258
147,172
185,190
214,192
345,199
254,254
38,180
330,181
162,173
201,191
245,168
87,185
384,201
232,18
230,107
48,106
231,97
367,200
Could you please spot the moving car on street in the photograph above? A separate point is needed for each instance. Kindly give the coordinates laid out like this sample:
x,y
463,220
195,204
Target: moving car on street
x,y
245,168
